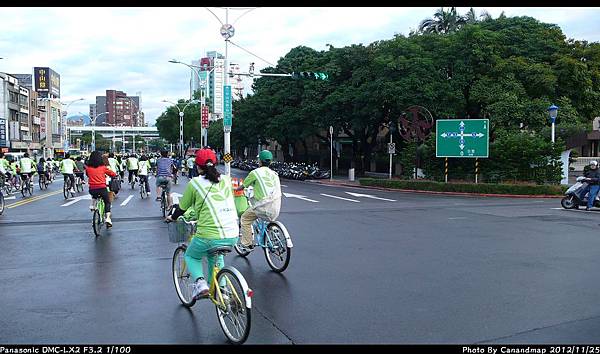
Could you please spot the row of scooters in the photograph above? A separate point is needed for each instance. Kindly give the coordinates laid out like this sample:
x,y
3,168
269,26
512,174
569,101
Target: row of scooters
x,y
288,170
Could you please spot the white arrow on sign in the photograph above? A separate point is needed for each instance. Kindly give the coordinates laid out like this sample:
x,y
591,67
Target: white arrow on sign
x,y
462,146
369,196
76,199
443,135
290,195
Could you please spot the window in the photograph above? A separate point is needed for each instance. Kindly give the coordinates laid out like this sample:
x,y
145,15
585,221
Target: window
x,y
14,115
13,97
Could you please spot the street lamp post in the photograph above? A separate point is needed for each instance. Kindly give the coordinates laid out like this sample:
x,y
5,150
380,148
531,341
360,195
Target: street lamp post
x,y
67,138
553,111
204,131
227,31
94,131
181,114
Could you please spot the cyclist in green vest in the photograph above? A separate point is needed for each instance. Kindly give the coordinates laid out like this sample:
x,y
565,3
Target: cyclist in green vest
x,y
267,196
210,198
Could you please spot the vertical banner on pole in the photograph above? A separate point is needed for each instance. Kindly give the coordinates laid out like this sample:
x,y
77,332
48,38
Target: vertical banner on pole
x,y
205,117
446,170
227,111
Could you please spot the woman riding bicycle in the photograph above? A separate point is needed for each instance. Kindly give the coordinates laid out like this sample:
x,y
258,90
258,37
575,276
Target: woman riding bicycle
x,y
210,197
97,171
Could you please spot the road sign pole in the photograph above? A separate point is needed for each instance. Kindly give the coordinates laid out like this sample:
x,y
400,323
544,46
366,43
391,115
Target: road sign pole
x,y
390,155
476,169
331,151
446,170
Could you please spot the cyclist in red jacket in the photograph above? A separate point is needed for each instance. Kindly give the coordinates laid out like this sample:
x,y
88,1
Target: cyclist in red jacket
x,y
97,171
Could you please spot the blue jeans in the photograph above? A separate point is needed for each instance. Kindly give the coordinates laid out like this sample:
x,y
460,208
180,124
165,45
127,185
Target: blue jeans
x,y
592,196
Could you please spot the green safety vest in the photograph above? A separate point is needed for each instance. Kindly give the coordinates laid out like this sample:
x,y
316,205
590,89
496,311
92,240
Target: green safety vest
x,y
216,213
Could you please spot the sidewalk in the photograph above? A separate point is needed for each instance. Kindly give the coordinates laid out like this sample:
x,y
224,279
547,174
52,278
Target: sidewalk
x,y
344,182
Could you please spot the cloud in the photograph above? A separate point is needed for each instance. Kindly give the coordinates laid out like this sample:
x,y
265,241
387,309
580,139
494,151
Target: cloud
x,y
127,49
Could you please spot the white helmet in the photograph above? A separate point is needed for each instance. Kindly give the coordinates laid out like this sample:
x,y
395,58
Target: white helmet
x,y
593,163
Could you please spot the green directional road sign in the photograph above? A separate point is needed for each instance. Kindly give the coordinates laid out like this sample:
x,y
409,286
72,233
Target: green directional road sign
x,y
227,106
462,138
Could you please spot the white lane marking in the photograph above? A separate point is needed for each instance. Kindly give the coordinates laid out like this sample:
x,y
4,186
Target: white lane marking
x,y
9,198
369,196
456,218
290,195
333,196
126,200
283,185
76,199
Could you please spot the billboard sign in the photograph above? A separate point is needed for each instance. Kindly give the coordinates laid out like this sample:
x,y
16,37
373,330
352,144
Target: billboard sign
x,y
47,81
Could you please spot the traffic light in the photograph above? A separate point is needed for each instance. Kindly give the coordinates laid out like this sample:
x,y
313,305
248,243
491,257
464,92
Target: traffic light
x,y
310,75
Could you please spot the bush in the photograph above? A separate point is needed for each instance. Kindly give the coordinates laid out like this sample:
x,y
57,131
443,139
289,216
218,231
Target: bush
x,y
514,156
487,188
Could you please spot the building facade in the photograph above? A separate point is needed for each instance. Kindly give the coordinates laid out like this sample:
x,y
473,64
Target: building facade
x,y
122,109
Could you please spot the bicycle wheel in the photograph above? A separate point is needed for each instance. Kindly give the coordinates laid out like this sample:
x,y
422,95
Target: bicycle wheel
x,y
97,223
66,188
41,182
276,249
143,191
182,278
235,317
30,187
1,203
79,186
163,204
24,185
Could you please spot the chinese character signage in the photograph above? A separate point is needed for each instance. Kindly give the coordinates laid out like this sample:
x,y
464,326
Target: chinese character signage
x,y
205,117
47,81
3,138
227,105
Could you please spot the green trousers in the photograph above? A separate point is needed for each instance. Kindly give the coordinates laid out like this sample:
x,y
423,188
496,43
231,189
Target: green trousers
x,y
198,249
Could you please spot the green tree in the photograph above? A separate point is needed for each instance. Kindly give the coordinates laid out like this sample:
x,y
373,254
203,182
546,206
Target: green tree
x,y
442,22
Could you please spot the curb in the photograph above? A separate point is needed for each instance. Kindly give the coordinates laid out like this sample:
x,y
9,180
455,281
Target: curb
x,y
443,193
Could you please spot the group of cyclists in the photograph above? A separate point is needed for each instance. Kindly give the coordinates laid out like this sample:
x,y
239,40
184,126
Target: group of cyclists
x,y
205,195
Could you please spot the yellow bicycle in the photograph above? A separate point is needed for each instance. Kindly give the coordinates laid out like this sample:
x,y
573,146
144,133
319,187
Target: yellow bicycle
x,y
228,289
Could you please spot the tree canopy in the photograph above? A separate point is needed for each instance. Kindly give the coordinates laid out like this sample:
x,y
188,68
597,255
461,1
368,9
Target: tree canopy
x,y
508,69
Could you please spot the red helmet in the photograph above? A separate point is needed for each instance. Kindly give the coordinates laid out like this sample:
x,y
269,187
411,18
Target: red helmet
x,y
204,155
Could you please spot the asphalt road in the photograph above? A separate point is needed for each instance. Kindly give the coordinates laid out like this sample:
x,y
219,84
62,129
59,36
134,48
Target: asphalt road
x,y
403,269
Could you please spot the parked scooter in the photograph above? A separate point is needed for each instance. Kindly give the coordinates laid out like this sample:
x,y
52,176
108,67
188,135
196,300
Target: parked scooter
x,y
577,195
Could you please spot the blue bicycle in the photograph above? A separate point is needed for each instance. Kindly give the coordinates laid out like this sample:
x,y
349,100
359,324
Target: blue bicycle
x,y
272,236
275,241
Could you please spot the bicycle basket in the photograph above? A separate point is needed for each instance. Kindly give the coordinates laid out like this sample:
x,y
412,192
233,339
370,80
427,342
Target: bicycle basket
x,y
180,231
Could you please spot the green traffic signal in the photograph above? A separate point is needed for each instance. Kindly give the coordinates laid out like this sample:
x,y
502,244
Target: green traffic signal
x,y
309,75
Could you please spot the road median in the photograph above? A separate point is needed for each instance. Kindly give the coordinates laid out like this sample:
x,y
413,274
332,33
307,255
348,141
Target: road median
x,y
466,189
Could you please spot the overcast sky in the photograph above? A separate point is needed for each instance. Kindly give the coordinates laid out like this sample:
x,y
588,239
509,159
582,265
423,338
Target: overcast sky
x,y
127,49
